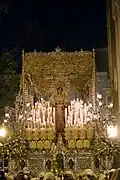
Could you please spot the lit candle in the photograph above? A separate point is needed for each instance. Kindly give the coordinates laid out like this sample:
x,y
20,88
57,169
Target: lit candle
x,y
42,100
65,115
71,118
87,110
28,125
36,104
75,120
48,124
77,99
39,110
38,125
68,120
54,115
34,115
78,122
68,110
81,115
48,105
48,116
37,114
43,112
72,102
48,109
77,113
50,120
40,120
34,125
85,113
44,123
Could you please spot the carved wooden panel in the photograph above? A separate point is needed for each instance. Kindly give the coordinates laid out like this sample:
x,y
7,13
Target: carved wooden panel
x,y
37,161
67,159
83,162
36,165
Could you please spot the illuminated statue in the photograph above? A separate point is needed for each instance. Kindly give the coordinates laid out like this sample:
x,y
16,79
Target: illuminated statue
x,y
60,101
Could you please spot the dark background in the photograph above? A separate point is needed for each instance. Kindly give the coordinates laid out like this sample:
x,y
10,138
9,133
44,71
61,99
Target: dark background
x,y
45,24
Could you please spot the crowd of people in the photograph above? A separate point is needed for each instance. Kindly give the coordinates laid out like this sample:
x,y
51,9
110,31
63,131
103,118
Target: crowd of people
x,y
88,174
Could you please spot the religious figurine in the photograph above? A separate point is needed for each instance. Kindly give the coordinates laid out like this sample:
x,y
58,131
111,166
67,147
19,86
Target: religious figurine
x,y
60,162
60,101
71,164
48,165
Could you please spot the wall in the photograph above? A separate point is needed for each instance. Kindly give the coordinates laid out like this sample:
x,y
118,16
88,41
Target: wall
x,y
101,56
103,86
113,26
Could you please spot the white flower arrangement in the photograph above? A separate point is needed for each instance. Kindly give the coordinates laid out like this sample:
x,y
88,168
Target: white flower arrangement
x,y
79,144
32,145
68,133
71,144
35,135
29,135
40,145
90,132
43,134
75,133
47,144
82,133
86,144
49,175
50,134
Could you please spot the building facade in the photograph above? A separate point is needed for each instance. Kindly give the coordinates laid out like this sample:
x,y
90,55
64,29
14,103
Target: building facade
x,y
113,27
101,57
102,74
103,86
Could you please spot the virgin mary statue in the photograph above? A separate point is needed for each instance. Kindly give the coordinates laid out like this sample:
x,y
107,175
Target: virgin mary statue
x,y
60,101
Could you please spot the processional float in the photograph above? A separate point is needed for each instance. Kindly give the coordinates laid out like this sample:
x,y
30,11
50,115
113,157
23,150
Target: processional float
x,y
42,74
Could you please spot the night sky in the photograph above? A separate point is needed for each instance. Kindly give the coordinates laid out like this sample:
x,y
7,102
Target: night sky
x,y
43,25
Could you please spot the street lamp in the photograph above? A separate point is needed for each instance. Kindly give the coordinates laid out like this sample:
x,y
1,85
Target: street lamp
x,y
112,131
3,132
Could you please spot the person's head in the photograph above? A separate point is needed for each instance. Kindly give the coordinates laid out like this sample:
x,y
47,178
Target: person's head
x,y
20,176
41,175
91,177
41,178
59,90
49,179
49,176
68,177
26,177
